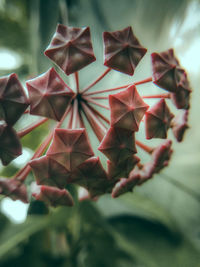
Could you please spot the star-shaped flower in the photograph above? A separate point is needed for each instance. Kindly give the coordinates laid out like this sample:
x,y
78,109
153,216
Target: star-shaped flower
x,y
161,155
54,196
47,171
13,100
122,169
71,48
179,125
127,109
118,144
181,97
125,185
10,147
70,148
157,120
92,176
14,189
122,50
49,95
167,72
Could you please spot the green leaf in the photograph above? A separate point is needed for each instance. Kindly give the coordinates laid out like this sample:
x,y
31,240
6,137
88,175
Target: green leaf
x,y
151,243
137,205
15,234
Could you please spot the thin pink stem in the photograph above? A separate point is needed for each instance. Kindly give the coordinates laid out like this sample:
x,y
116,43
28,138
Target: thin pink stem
x,y
77,82
69,126
120,87
30,128
95,103
82,124
96,81
157,96
107,90
146,148
147,80
97,126
26,111
75,114
98,113
100,97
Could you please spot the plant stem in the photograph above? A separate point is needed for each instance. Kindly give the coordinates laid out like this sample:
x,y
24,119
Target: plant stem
x,y
100,97
157,96
77,82
75,114
98,113
31,127
107,90
95,103
120,87
69,126
96,81
147,80
146,148
97,126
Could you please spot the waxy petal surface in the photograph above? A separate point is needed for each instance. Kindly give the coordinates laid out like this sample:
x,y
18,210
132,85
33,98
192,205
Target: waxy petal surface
x,y
54,196
157,120
127,109
179,125
118,144
49,95
167,73
47,171
122,50
92,176
71,48
70,148
14,189
13,100
10,146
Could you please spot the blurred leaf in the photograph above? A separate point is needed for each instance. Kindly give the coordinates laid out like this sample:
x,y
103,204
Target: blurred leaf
x,y
4,221
136,205
15,234
151,243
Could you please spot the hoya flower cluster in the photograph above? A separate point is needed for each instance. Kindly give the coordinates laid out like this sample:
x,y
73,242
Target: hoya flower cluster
x,y
66,155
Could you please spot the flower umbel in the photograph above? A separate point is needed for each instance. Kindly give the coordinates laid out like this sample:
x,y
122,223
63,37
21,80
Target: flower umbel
x,y
66,156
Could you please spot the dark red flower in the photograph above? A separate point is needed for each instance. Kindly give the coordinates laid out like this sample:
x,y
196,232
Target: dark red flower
x,y
54,196
10,147
125,185
14,189
127,109
49,95
122,50
122,169
161,155
181,97
70,148
92,176
157,120
47,171
13,100
167,72
179,125
71,48
146,172
118,144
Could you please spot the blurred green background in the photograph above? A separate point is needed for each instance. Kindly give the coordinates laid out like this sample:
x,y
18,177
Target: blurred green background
x,y
158,224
